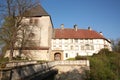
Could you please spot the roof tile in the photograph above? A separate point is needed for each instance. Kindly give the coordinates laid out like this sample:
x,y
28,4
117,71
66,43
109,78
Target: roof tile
x,y
80,34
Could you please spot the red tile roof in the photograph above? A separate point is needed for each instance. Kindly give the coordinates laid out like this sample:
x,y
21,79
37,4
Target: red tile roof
x,y
79,34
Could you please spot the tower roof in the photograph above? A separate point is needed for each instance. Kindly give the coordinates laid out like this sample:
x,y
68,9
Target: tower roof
x,y
36,11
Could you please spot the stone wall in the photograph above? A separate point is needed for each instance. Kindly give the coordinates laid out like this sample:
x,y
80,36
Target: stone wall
x,y
26,71
72,70
31,54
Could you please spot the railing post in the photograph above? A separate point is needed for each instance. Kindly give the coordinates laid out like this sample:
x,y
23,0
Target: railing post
x,y
88,64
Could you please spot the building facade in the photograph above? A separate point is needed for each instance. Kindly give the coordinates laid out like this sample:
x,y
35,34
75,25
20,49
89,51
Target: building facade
x,y
69,43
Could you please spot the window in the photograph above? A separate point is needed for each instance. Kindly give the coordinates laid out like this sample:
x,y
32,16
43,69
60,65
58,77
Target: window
x,y
71,47
60,41
86,40
36,21
92,47
33,21
31,35
32,43
89,47
66,47
91,41
71,40
76,40
60,45
81,41
76,54
66,55
105,46
66,40
57,40
54,46
76,47
82,47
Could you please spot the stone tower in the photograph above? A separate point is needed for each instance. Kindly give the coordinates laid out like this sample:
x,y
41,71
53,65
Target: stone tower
x,y
39,34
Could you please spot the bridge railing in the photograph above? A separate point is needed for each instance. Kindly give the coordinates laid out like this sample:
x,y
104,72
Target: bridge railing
x,y
51,63
22,63
76,62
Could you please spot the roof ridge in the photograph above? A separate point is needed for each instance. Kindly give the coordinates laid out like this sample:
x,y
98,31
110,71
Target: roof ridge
x,y
73,29
42,8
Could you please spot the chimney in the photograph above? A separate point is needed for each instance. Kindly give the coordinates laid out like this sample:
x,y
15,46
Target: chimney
x,y
101,33
89,28
62,26
75,27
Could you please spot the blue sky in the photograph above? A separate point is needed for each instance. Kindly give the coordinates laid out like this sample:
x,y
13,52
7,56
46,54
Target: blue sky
x,y
100,15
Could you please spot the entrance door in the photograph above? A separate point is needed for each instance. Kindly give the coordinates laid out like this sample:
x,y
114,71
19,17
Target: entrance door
x,y
57,56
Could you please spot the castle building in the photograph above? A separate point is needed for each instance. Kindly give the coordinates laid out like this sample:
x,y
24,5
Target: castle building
x,y
43,42
69,43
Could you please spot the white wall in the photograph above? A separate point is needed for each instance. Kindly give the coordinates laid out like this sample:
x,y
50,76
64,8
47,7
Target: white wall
x,y
74,47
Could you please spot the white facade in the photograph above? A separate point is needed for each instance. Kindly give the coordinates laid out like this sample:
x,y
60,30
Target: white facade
x,y
82,47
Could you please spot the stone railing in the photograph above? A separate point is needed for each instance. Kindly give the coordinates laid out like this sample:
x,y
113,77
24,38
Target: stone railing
x,y
76,62
50,64
22,63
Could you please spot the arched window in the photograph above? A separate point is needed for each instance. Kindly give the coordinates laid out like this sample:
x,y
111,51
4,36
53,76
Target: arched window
x,y
89,47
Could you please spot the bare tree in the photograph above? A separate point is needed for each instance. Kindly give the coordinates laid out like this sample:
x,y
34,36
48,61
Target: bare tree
x,y
13,13
116,45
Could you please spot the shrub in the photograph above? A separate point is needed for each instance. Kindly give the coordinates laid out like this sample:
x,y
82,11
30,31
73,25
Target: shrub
x,y
105,65
80,58
71,59
104,51
3,59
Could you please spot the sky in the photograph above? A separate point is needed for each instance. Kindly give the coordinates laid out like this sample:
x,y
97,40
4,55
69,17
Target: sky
x,y
101,15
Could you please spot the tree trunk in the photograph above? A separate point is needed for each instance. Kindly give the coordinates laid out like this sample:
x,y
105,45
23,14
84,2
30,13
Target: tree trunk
x,y
11,53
